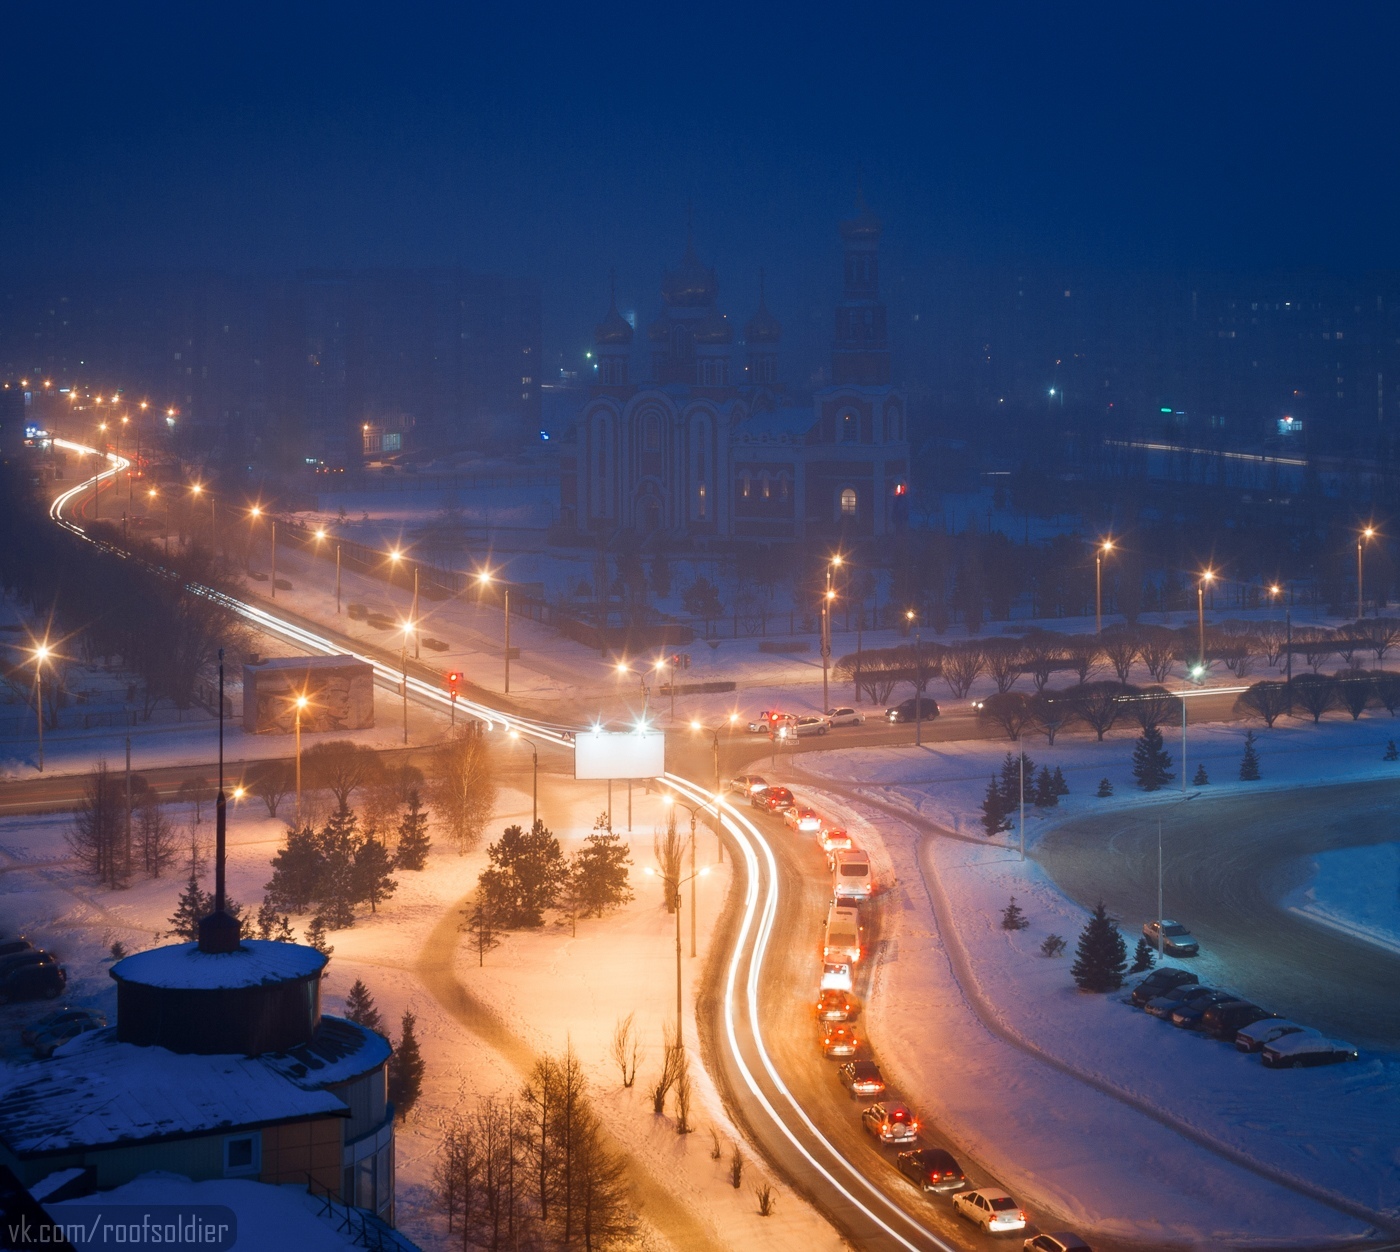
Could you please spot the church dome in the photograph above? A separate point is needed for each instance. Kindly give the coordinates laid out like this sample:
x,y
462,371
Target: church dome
x,y
714,328
763,327
865,225
613,329
691,285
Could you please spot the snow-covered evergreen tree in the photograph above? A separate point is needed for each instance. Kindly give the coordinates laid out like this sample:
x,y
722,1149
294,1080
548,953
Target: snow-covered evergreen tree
x,y
1249,763
1151,761
1101,956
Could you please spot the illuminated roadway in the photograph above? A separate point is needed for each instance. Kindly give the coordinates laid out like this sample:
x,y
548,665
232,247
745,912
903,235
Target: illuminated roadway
x,y
768,1061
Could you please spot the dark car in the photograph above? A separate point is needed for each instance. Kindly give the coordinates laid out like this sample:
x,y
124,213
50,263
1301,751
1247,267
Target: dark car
x,y
773,799
1060,1241
32,976
862,1078
58,1028
1224,1021
1159,982
13,947
835,1006
1188,1016
904,711
1168,1002
931,1169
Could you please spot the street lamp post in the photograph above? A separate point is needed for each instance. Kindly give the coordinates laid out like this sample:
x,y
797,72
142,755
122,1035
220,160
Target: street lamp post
x,y
253,513
1274,592
834,563
300,704
1104,549
274,557
41,654
534,777
911,616
415,608
337,577
1367,533
624,668
485,579
1207,576
403,687
676,900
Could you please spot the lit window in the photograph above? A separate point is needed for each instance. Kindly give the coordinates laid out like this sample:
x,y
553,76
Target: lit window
x,y
766,486
848,502
744,486
702,502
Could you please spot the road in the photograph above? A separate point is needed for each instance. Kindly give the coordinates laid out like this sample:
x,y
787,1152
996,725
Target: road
x,y
1226,863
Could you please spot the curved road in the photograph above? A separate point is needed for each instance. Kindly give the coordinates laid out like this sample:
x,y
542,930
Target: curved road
x,y
1227,861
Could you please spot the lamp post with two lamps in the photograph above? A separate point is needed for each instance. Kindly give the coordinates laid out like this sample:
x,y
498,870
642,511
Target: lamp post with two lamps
x,y
624,668
827,599
727,724
669,800
675,889
534,776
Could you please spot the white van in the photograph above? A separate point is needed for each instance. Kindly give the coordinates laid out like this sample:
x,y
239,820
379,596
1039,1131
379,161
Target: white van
x,y
845,937
850,875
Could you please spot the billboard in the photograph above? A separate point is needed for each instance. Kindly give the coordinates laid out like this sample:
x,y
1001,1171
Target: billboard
x,y
619,754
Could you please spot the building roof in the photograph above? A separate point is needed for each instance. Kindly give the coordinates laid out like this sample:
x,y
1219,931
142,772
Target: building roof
x,y
183,966
96,1092
341,1050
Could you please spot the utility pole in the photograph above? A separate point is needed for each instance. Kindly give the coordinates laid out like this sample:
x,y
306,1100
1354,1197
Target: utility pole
x,y
128,801
413,616
274,558
337,579
1023,801
507,608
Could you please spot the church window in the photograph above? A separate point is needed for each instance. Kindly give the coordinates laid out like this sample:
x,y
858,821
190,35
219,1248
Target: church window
x,y
765,485
782,487
850,428
848,502
702,501
744,485
651,434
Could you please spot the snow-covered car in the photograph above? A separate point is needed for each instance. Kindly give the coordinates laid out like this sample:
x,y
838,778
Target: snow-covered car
x,y
931,1169
845,717
747,784
13,947
862,1078
58,1028
839,1040
1305,1048
1159,982
1253,1038
989,1208
803,820
32,976
1168,1002
836,976
812,725
891,1122
835,1006
1175,939
1060,1241
833,839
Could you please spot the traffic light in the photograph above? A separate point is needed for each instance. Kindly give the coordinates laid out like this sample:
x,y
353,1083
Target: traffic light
x,y
454,682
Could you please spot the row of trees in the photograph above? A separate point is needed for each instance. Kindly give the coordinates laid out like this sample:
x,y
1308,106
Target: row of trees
x,y
121,828
1018,777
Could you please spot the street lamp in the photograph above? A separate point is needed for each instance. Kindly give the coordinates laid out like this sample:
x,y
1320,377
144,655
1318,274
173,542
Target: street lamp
x,y
727,724
624,668
1104,549
833,564
669,662
484,580
1207,576
676,900
42,652
913,618
668,800
1274,592
254,512
1368,532
534,777
299,703
403,687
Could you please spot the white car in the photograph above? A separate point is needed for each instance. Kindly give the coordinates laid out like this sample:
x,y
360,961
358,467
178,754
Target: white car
x,y
989,1208
845,717
812,725
836,976
1256,1035
1305,1048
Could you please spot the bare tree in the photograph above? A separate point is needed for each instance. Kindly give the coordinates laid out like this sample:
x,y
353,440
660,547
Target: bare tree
x,y
603,1213
1052,711
340,767
1314,694
1044,653
464,790
155,834
1084,656
625,1048
1152,707
271,781
1157,647
1004,659
1272,638
670,851
1383,632
684,1093
1011,710
197,791
670,1071
1100,705
1120,644
97,837
962,663
875,672
456,1173
1356,692
1316,645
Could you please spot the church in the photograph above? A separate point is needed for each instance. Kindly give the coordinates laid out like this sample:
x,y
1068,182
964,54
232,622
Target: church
x,y
710,444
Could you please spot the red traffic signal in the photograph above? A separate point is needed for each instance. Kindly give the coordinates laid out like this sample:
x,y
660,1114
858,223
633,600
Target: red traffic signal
x,y
454,681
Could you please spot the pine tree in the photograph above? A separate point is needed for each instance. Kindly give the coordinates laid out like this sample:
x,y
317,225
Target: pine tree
x,y
413,836
296,873
1013,918
1105,789
1392,753
1151,761
1057,780
1052,946
1011,780
1045,797
359,1006
1249,763
1201,779
527,870
1101,956
406,1069
337,890
994,810
372,864
600,873
1144,956
316,936
481,925
267,919
192,905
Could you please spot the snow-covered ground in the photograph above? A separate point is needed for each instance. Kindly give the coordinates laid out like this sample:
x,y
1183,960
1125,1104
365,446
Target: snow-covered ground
x,y
1093,1101
1355,890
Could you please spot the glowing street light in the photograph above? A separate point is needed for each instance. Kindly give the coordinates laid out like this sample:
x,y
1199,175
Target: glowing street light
x,y
674,890
299,704
1103,550
42,652
484,579
834,563
1207,576
1367,533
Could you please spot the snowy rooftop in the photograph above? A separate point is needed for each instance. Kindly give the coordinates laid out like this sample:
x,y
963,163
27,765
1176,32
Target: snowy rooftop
x,y
340,1051
96,1092
184,966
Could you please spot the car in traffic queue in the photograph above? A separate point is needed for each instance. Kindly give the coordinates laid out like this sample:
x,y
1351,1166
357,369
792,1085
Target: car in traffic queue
x,y
836,1006
862,1078
1224,1021
850,875
1173,937
931,1169
1168,1002
834,839
747,784
772,799
1303,1049
802,819
845,717
845,936
836,976
839,1040
1254,1037
1060,1241
1159,982
58,1028
891,1122
904,711
993,1210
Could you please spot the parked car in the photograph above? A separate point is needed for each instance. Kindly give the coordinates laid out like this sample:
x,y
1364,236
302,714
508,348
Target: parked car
x,y
1060,1241
772,799
833,840
1223,1020
836,976
813,725
891,1122
1188,1016
845,717
904,711
838,1040
802,819
1176,940
1253,1038
931,1169
32,976
747,784
1169,1001
57,1028
989,1208
1159,982
836,1006
850,875
13,947
1305,1048
862,1078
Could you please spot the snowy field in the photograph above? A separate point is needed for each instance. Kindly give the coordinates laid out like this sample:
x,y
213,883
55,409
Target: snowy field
x,y
1093,1100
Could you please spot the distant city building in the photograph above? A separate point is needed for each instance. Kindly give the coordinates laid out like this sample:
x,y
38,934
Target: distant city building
x,y
710,444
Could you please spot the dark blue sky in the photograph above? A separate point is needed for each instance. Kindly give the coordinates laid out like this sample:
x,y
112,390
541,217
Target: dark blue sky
x,y
559,141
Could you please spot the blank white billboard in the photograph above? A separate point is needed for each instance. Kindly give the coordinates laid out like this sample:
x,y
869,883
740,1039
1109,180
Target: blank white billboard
x,y
619,754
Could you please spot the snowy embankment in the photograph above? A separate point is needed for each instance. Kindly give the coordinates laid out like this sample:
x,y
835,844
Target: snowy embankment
x,y
1356,891
1078,1101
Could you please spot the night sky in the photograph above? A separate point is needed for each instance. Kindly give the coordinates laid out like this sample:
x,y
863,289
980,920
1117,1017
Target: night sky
x,y
557,142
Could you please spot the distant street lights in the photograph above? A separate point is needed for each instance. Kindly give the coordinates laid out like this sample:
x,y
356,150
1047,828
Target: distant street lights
x,y
1368,532
1104,549
534,776
484,580
42,652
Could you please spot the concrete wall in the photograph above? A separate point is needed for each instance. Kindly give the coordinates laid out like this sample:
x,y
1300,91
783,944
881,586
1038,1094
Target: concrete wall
x,y
339,692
